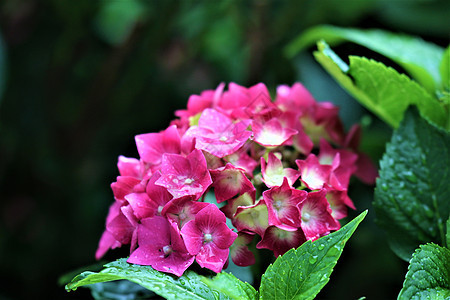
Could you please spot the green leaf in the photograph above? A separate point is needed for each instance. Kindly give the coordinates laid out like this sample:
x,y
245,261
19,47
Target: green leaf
x,y
188,286
301,273
428,274
444,69
411,195
229,285
381,89
419,58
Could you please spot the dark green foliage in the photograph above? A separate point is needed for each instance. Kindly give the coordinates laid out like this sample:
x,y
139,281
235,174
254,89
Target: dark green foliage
x,y
428,274
411,197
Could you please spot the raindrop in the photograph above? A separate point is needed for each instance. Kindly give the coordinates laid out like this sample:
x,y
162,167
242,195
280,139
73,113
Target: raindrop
x,y
321,246
313,259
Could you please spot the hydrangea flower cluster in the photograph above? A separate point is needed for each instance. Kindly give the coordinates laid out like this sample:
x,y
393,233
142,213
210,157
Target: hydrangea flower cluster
x,y
279,171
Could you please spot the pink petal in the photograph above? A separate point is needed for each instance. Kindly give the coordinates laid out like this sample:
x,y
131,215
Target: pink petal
x,y
313,174
193,237
229,182
107,241
271,133
252,218
129,167
151,146
124,186
280,241
282,205
316,216
240,254
212,257
143,206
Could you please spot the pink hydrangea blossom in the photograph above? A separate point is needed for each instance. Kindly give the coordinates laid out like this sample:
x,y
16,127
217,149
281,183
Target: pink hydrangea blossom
x,y
282,205
161,246
208,238
229,182
184,176
217,134
279,170
273,172
316,218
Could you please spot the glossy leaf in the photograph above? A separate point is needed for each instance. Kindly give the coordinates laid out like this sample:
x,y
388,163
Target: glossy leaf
x,y
419,58
411,196
381,89
301,273
428,274
188,286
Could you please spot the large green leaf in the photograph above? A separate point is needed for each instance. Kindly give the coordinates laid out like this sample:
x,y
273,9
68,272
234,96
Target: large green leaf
x,y
301,273
381,89
412,194
189,286
421,59
428,274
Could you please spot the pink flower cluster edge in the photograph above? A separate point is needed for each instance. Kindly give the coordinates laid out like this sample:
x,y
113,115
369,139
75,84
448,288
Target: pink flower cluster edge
x,y
279,171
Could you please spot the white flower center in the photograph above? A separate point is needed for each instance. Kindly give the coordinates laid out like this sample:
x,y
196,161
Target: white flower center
x,y
278,204
167,250
223,139
306,217
207,237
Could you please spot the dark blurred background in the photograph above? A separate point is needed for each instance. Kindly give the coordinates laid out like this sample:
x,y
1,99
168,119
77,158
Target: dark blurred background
x,y
79,79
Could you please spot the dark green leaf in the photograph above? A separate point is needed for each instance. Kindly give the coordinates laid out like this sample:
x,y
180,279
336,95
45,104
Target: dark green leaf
x,y
301,273
188,286
381,89
229,285
421,59
411,196
428,274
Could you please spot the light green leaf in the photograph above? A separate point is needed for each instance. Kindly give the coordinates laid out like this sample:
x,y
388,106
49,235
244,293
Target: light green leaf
x,y
411,195
428,274
444,69
301,273
229,285
189,286
381,89
419,58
